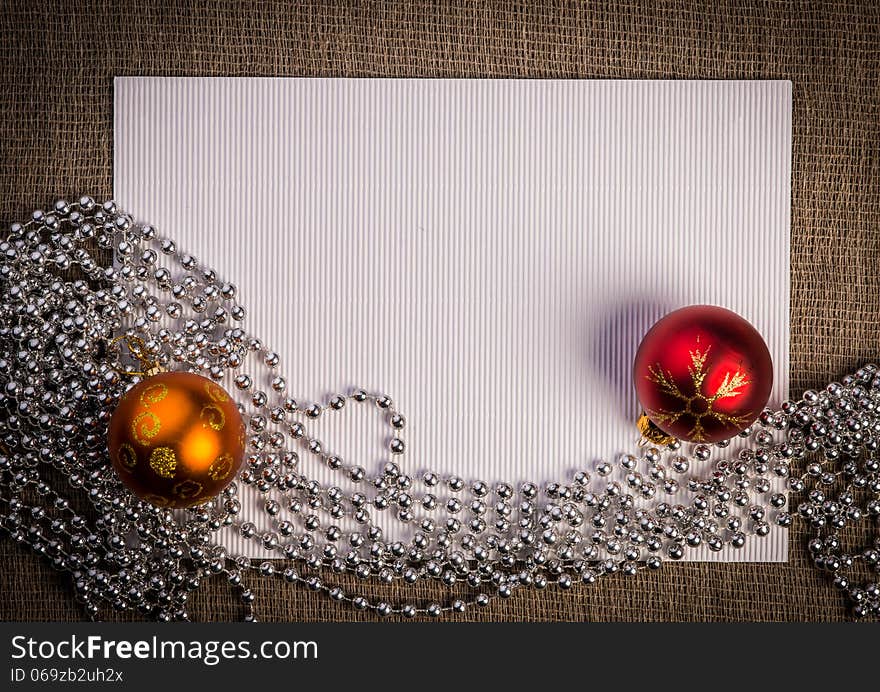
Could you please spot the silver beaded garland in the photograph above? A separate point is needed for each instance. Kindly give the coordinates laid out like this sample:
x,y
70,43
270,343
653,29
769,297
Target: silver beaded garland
x,y
60,378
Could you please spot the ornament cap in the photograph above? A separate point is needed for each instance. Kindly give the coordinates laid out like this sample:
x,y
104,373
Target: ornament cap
x,y
136,348
651,433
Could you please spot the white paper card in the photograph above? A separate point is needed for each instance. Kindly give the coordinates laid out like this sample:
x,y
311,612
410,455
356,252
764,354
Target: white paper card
x,y
487,252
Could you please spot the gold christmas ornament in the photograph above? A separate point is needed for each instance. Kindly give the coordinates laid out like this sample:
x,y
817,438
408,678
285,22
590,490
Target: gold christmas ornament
x,y
176,439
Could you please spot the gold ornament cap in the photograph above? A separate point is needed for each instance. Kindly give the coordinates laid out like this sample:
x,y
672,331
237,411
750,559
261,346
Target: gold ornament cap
x,y
136,349
651,433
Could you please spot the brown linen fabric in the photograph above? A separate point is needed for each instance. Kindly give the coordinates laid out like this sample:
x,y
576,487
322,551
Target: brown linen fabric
x,y
59,58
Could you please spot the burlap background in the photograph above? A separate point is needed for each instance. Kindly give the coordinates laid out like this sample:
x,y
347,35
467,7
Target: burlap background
x,y
58,60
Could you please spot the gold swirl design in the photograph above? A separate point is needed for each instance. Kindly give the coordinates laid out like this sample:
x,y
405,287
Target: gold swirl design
x,y
216,392
145,427
212,417
186,490
126,456
163,461
154,394
221,468
157,500
242,439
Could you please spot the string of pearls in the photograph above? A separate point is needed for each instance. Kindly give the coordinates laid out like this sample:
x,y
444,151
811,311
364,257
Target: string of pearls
x,y
60,377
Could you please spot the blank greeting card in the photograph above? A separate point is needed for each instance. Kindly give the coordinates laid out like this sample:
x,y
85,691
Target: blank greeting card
x,y
487,252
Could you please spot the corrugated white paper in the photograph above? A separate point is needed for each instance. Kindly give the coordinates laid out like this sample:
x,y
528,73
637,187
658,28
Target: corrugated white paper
x,y
489,253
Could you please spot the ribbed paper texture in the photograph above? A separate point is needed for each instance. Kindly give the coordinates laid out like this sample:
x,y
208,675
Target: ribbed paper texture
x,y
489,253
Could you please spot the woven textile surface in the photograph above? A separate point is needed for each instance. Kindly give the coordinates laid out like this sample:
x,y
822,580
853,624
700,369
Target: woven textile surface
x,y
58,60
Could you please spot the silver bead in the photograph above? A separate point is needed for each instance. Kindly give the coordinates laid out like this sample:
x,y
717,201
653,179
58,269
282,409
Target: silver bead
x,y
702,452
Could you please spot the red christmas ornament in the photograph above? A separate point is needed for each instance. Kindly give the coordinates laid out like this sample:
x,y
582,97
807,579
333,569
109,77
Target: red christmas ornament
x,y
702,374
